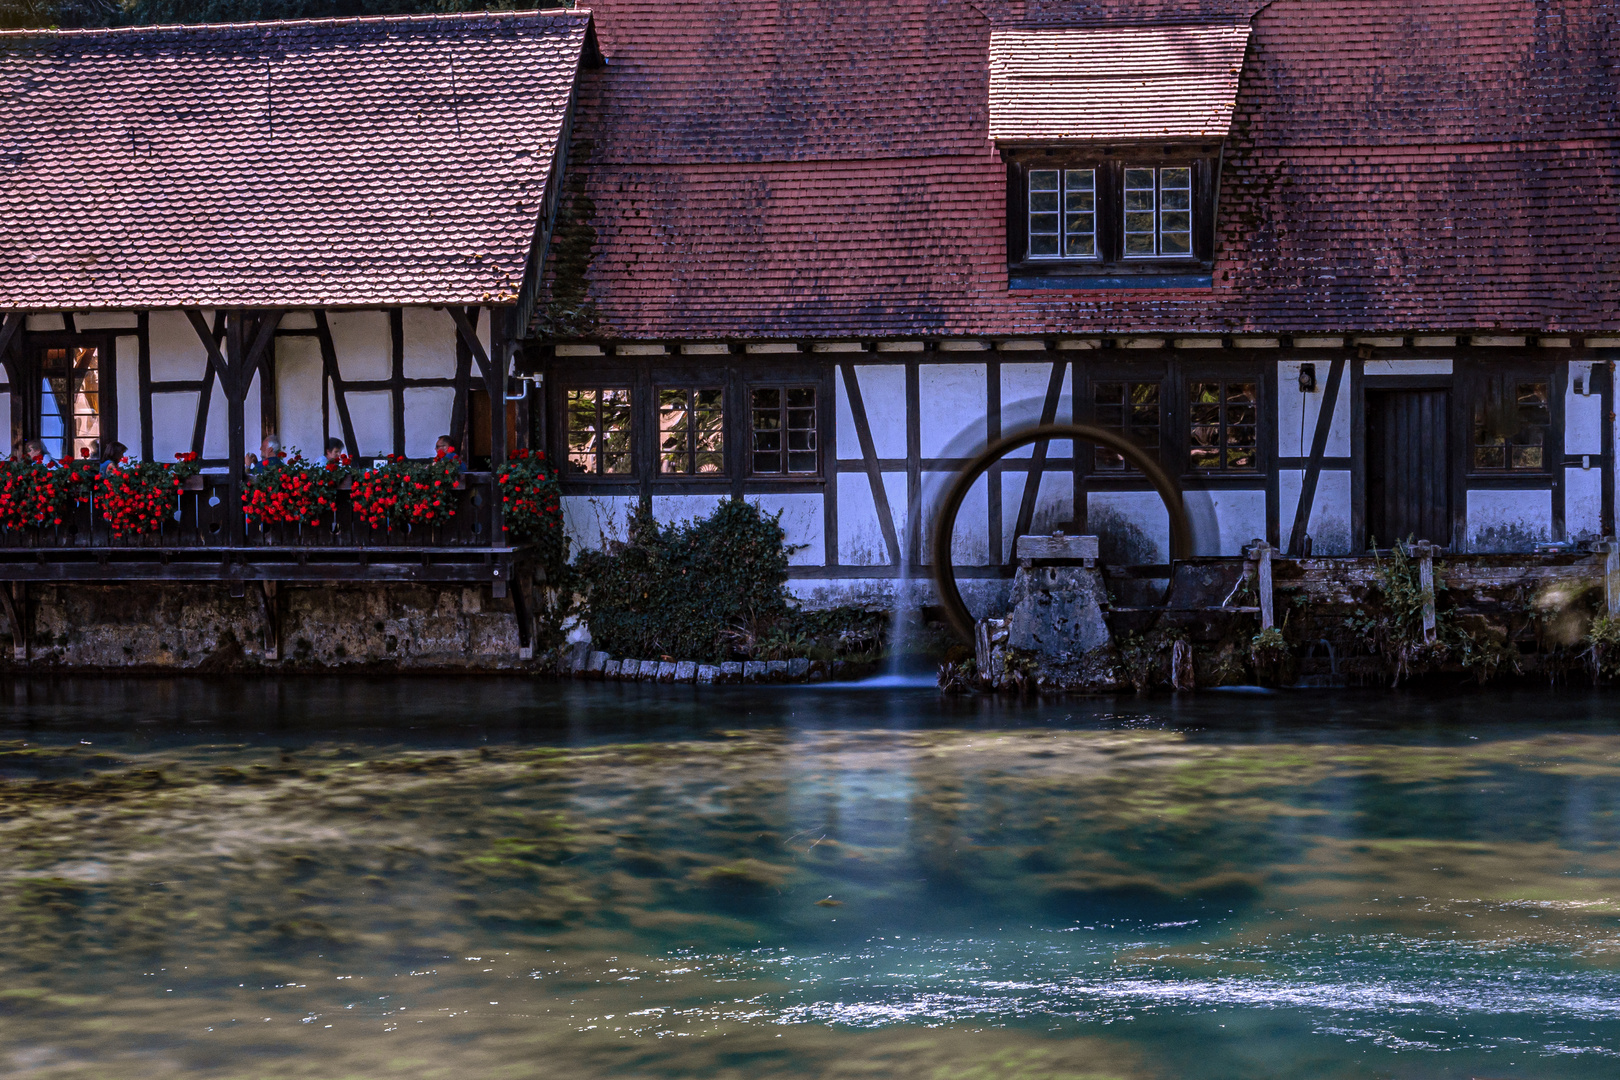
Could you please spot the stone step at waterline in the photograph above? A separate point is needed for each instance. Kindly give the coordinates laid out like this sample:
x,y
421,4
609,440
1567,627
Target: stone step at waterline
x,y
600,665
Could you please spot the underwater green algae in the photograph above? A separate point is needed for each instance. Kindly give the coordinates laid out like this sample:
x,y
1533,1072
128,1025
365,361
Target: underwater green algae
x,y
750,903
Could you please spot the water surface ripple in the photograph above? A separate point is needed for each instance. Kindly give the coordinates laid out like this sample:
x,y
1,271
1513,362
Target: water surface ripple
x,y
432,878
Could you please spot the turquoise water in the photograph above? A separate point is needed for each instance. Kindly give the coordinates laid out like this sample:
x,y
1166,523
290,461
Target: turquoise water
x,y
488,878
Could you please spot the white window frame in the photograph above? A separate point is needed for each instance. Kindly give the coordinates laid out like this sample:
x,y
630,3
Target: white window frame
x,y
1158,211
1063,213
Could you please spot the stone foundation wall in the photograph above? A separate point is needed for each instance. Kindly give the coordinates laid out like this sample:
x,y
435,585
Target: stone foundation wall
x,y
202,628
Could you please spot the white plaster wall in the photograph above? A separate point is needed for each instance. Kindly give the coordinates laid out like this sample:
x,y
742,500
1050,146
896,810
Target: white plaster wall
x,y
1133,526
298,396
1329,525
363,346
372,412
173,415
297,320
44,322
5,417
1583,414
860,537
952,399
588,519
1297,413
430,344
1023,395
1054,504
217,439
1583,503
105,320
177,352
127,368
970,541
427,416
1508,520
1224,521
803,523
883,392
669,509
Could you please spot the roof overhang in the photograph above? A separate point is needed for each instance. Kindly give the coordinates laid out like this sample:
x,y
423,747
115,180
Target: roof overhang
x,y
1114,84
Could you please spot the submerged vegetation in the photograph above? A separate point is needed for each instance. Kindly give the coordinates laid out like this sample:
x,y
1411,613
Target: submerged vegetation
x,y
505,901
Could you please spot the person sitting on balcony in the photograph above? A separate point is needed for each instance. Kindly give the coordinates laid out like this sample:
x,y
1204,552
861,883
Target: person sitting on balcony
x,y
334,451
269,450
115,453
444,448
250,462
37,453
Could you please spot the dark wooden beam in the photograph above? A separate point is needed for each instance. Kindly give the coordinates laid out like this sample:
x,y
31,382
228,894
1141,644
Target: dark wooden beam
x,y
458,404
210,341
10,331
396,381
143,328
1037,467
1313,470
329,361
236,350
469,335
874,476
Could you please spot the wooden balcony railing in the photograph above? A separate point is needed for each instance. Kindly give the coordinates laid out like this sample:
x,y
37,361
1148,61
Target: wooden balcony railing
x,y
202,519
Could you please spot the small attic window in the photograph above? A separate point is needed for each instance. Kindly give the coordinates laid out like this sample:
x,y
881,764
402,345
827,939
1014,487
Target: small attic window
x,y
1143,212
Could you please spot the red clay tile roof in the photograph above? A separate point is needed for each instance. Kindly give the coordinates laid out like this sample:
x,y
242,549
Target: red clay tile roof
x,y
789,168
332,162
1114,83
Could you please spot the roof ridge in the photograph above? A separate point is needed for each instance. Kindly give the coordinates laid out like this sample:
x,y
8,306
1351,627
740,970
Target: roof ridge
x,y
525,14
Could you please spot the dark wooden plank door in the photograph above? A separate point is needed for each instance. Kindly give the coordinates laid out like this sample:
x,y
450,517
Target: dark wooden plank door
x,y
1408,466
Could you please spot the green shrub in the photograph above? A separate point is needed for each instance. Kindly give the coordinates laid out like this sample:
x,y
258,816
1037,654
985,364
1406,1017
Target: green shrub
x,y
689,589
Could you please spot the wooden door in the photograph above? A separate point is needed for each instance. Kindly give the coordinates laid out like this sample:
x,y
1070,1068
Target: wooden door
x,y
1408,466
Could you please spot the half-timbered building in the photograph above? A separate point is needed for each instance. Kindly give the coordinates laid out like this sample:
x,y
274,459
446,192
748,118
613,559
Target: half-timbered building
x,y
215,236
1346,268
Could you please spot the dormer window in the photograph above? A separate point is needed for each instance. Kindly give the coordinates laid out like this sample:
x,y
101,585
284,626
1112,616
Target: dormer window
x,y
1108,215
1112,137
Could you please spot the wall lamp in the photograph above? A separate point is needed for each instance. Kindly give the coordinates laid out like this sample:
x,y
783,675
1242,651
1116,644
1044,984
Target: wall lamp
x,y
1307,378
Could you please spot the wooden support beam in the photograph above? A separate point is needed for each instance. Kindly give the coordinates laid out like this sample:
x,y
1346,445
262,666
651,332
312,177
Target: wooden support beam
x,y
329,360
1313,469
14,595
463,380
268,601
396,380
9,332
205,396
469,335
210,340
236,350
1037,466
869,458
143,328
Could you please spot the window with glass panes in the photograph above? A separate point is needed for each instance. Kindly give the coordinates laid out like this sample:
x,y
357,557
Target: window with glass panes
x,y
1510,426
1223,426
597,421
783,423
1158,212
1063,213
1130,408
691,431
70,401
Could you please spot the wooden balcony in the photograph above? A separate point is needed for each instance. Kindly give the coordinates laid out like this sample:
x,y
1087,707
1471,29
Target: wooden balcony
x,y
196,546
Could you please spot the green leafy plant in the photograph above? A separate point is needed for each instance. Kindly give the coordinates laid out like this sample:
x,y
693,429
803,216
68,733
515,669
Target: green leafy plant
x,y
686,590
1603,647
1395,627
